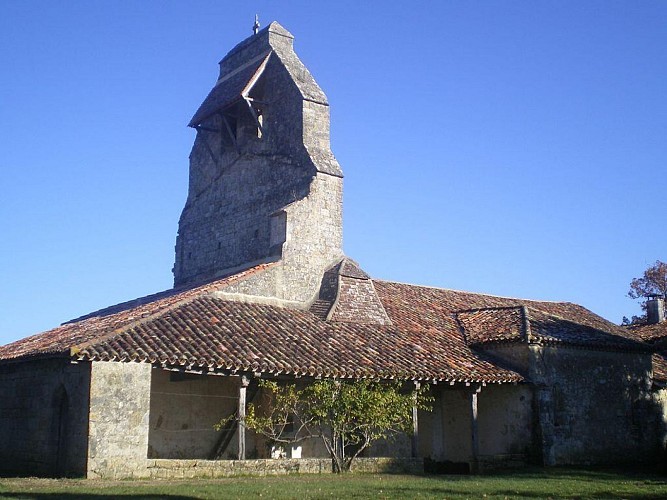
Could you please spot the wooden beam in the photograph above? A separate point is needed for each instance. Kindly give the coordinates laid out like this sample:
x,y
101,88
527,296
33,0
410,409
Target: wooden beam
x,y
474,429
228,128
243,387
438,434
208,147
415,424
255,116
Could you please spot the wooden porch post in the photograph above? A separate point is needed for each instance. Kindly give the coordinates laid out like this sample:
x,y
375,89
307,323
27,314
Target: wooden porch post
x,y
245,381
438,439
474,429
415,425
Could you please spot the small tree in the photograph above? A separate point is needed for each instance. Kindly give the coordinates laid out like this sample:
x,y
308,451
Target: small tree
x,y
347,416
652,283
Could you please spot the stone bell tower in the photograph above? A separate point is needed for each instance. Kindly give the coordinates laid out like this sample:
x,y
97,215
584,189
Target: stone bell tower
x,y
264,185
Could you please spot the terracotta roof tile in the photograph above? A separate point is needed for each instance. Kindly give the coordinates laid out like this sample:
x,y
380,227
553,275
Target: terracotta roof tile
x,y
195,328
90,328
575,330
649,333
487,318
660,366
654,335
495,324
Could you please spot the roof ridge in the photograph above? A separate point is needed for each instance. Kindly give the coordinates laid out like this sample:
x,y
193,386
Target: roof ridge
x,y
165,294
490,308
545,339
433,287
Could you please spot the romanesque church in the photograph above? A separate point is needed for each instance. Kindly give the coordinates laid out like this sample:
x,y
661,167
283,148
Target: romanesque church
x,y
263,290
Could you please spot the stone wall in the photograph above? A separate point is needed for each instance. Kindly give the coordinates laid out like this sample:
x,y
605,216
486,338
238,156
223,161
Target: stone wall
x,y
660,400
594,407
313,244
44,417
504,423
119,411
184,408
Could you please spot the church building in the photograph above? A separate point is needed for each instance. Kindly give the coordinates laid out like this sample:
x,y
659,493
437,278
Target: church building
x,y
263,290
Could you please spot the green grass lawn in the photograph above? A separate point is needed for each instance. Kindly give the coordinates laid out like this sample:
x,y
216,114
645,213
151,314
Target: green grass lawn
x,y
525,484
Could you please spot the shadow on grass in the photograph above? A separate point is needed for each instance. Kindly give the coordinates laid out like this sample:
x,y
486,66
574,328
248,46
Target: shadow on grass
x,y
581,473
510,494
575,496
556,483
92,496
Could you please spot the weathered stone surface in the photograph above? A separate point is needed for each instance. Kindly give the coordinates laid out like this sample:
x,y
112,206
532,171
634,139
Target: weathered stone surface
x,y
505,424
43,417
312,244
183,411
594,407
273,194
225,468
118,421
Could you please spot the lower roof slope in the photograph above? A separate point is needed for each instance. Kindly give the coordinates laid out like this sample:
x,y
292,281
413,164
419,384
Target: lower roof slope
x,y
429,337
655,335
485,319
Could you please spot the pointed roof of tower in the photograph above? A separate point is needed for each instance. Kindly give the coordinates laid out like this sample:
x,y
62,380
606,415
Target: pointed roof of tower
x,y
245,63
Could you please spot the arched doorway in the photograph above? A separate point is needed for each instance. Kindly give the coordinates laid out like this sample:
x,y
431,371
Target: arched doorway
x,y
59,431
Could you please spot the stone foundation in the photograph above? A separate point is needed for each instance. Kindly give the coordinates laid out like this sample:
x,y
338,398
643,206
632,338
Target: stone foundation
x,y
169,469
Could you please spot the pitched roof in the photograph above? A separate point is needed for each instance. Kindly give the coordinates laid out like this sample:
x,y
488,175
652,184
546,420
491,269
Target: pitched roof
x,y
486,318
660,366
649,333
347,294
656,336
229,89
492,324
198,328
245,62
112,320
210,332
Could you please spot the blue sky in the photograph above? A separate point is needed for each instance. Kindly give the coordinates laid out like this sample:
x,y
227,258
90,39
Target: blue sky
x,y
514,148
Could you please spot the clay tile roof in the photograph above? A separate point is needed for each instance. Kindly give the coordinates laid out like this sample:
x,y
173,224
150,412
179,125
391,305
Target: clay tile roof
x,y
654,335
649,333
660,366
429,336
351,269
196,328
573,329
242,336
492,324
487,318
92,327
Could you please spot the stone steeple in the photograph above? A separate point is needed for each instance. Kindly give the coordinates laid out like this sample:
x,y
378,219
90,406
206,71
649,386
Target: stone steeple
x,y
264,184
